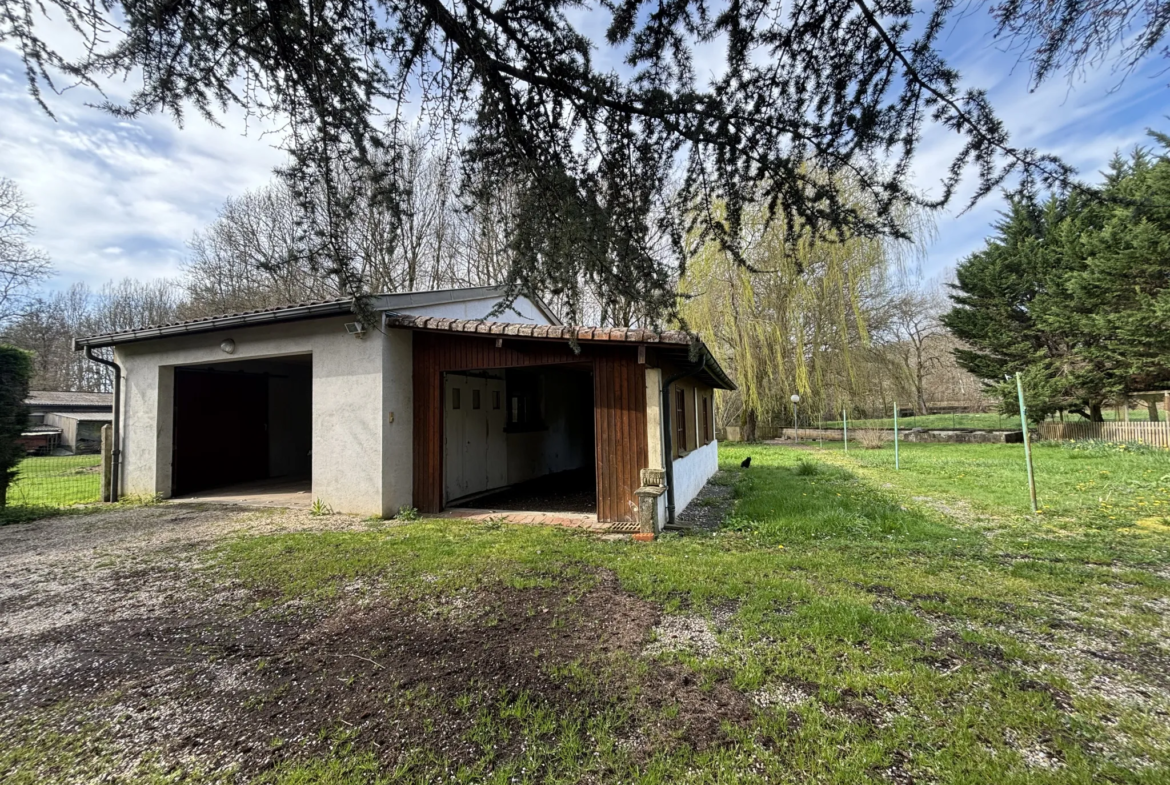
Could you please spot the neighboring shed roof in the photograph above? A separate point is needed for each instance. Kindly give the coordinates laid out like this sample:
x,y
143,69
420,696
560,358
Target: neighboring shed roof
x,y
676,343
84,416
62,399
300,311
40,430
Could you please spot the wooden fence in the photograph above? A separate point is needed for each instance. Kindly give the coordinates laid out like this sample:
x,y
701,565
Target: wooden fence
x,y
1156,434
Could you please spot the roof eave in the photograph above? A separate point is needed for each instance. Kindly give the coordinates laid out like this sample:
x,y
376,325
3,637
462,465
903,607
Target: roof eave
x,y
294,314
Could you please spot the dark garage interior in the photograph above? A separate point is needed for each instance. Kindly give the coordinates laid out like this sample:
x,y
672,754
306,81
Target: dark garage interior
x,y
247,421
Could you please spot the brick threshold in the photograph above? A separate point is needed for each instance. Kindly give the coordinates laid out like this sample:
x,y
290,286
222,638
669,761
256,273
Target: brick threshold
x,y
570,520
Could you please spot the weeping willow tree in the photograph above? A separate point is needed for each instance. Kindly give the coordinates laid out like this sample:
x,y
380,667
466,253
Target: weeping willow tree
x,y
789,317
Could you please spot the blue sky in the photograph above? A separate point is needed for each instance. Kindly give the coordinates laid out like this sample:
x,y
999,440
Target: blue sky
x,y
114,198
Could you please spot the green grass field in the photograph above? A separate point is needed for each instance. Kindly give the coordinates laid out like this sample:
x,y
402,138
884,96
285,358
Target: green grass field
x,y
910,626
56,481
971,420
984,420
1104,486
919,622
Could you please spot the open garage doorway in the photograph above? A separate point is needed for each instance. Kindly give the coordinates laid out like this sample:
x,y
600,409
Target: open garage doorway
x,y
520,439
243,430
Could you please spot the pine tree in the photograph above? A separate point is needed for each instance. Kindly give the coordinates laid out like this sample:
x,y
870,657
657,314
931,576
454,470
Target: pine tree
x,y
1075,294
15,371
1122,289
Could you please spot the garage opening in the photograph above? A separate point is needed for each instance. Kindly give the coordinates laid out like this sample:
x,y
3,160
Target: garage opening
x,y
244,428
520,439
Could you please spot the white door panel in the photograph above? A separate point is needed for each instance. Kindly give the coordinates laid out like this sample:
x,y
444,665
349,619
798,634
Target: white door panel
x,y
475,445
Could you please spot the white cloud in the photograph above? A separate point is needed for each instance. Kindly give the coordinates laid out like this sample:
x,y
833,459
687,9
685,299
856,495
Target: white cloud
x,y
115,198
1083,123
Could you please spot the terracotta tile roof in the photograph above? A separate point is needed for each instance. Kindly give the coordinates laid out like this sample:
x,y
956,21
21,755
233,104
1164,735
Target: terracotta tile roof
x,y
676,340
558,332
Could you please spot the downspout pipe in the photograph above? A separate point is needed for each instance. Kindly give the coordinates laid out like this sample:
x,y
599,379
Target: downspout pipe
x,y
667,431
116,454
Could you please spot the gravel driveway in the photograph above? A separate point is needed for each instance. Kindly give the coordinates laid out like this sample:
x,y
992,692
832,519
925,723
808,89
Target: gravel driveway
x,y
81,597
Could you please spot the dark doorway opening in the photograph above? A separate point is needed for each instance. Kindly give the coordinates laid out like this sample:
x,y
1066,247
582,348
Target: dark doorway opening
x,y
570,491
520,439
246,421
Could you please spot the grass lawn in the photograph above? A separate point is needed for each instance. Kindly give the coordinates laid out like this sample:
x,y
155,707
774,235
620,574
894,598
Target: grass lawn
x,y
973,420
848,624
56,481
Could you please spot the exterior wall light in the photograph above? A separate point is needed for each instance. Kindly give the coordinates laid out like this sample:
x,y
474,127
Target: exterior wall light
x,y
228,346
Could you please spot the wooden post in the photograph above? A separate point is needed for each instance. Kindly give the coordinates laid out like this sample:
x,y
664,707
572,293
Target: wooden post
x,y
845,422
1166,416
107,462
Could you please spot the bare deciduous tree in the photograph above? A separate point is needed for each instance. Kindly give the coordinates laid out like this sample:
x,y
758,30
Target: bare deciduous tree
x,y
22,266
47,327
911,332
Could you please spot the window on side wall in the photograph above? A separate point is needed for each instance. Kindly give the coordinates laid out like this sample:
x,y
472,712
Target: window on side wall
x,y
706,419
680,415
525,403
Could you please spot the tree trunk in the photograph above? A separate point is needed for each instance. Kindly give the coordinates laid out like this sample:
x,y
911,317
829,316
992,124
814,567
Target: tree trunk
x,y
1152,408
1095,412
749,424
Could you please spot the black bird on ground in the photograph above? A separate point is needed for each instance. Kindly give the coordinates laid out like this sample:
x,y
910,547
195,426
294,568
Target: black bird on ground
x,y
746,462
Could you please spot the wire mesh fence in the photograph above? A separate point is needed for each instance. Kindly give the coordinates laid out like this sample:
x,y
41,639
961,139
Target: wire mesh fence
x,y
909,420
56,481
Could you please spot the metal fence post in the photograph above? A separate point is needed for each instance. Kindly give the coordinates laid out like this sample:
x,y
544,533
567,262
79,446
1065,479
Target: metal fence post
x,y
897,464
1027,442
107,462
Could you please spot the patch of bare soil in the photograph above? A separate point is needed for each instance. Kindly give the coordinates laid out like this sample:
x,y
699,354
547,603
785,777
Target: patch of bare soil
x,y
205,679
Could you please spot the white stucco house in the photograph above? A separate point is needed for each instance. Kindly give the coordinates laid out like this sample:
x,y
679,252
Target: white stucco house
x,y
437,404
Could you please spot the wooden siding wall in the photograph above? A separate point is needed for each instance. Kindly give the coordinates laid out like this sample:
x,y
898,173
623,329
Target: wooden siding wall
x,y
619,430
619,409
